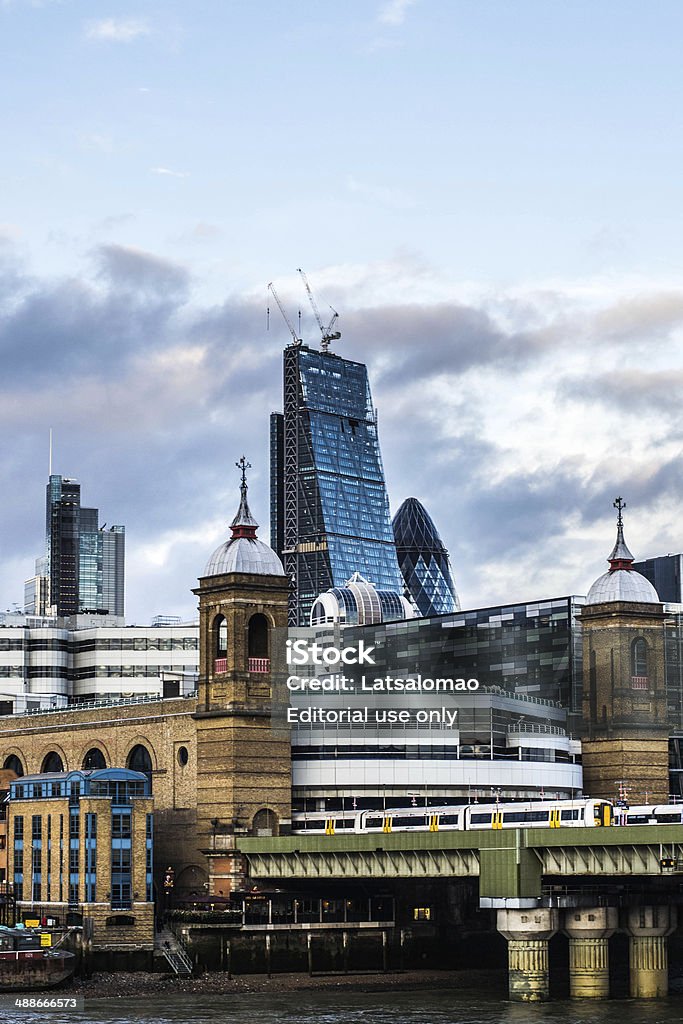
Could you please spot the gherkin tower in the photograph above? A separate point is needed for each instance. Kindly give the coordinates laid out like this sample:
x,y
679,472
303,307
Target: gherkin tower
x,y
424,561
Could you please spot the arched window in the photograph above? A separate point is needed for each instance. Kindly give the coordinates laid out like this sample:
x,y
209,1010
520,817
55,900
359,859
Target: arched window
x,y
265,823
220,636
639,662
94,759
139,760
13,764
258,636
52,762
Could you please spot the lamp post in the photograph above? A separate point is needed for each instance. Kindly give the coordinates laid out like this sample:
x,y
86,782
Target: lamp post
x,y
169,882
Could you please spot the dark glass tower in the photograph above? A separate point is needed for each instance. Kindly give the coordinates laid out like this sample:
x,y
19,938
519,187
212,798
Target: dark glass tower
x,y
62,529
85,564
329,506
665,573
424,560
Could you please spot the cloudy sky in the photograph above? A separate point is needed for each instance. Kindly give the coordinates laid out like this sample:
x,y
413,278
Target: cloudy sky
x,y
490,195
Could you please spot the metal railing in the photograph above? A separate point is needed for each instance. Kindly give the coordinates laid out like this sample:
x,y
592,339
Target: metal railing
x,y
105,702
538,727
259,665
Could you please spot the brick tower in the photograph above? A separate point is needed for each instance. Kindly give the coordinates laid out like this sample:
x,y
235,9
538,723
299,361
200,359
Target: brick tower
x,y
625,728
243,754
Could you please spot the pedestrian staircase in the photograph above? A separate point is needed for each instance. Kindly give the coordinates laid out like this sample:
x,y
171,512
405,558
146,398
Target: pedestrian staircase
x,y
174,952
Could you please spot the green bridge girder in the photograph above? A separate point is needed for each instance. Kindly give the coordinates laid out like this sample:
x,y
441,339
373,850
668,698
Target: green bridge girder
x,y
510,863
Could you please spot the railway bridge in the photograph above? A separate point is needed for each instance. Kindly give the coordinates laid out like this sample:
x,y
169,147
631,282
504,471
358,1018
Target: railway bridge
x,y
533,878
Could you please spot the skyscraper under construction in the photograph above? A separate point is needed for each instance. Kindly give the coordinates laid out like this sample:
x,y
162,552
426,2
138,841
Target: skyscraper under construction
x,y
329,506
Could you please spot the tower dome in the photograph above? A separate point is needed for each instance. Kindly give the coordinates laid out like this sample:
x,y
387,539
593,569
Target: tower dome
x,y
621,582
244,552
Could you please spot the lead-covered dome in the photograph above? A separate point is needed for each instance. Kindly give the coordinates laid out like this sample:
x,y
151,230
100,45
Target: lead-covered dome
x,y
621,582
244,552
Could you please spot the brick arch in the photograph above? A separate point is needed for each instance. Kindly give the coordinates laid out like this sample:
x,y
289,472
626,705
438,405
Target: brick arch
x,y
192,878
266,818
48,748
143,742
100,746
14,752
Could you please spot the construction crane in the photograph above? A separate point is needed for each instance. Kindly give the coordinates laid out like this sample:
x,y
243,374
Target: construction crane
x,y
328,334
295,340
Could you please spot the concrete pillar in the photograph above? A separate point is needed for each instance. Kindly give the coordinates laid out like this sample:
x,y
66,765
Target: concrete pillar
x,y
589,931
528,933
648,928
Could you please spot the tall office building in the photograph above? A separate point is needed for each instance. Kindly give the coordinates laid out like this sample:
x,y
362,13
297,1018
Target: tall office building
x,y
84,565
62,536
329,506
424,560
665,573
101,572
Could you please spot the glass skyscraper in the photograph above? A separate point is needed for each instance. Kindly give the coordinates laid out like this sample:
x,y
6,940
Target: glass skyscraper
x,y
665,573
84,565
424,560
62,534
329,506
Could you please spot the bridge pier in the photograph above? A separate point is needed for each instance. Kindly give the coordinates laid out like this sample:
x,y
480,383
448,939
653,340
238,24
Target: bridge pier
x,y
527,933
589,931
648,929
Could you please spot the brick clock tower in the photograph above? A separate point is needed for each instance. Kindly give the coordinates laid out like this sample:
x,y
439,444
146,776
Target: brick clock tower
x,y
244,778
625,727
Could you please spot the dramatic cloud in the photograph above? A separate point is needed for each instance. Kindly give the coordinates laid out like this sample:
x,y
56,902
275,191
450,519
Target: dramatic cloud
x,y
515,418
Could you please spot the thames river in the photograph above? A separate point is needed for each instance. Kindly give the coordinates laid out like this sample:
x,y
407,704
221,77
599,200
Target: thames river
x,y
448,1007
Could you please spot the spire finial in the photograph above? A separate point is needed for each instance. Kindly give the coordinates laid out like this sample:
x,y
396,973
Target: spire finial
x,y
243,465
619,505
621,557
244,524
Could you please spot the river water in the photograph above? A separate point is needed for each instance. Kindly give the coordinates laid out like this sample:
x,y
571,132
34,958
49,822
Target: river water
x,y
447,1007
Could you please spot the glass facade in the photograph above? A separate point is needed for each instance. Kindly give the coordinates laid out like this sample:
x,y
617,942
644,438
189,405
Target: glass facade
x,y
62,526
665,574
329,506
424,560
513,733
84,564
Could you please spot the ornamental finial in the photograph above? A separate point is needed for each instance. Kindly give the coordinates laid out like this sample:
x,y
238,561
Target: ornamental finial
x,y
244,524
243,465
621,557
619,505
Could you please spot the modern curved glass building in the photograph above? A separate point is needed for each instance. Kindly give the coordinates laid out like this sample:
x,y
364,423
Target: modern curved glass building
x,y
423,560
358,603
329,506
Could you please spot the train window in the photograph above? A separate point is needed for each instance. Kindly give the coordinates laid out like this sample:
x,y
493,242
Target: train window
x,y
572,815
409,821
314,823
345,823
480,819
669,817
511,816
449,819
374,822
